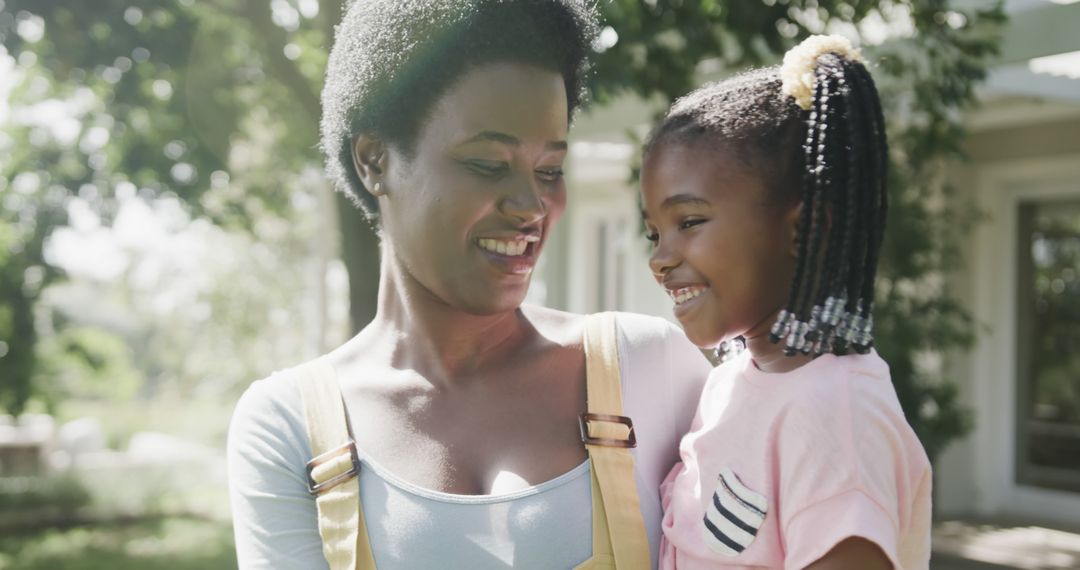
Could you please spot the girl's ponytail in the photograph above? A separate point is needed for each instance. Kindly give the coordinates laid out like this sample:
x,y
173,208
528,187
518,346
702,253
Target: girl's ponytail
x,y
845,158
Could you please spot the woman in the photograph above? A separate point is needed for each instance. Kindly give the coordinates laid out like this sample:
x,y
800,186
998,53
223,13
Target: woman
x,y
446,121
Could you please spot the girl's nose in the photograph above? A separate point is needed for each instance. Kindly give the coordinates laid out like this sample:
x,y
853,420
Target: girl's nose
x,y
662,260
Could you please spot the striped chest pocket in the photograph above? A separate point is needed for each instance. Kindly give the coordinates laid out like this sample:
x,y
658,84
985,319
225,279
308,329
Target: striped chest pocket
x,y
733,516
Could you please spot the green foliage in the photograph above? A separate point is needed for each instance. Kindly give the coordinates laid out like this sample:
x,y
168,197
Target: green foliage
x,y
662,45
930,83
214,104
59,494
178,87
174,543
87,363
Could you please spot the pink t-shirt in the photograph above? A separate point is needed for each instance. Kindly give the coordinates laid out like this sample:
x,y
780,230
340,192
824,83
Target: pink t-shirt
x,y
777,469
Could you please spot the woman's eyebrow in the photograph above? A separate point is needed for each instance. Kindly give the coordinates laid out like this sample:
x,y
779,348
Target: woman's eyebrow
x,y
510,140
494,136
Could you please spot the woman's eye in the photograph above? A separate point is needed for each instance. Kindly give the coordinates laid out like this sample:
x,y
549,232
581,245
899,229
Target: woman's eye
x,y
487,167
553,174
653,237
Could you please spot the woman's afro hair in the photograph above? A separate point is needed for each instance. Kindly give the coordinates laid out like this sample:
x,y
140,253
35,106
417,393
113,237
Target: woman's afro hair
x,y
392,59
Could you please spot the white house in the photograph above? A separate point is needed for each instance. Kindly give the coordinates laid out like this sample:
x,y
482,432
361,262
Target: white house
x,y
1021,280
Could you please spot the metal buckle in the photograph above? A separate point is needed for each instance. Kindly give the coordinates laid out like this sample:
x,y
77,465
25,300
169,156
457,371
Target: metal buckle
x,y
583,423
350,448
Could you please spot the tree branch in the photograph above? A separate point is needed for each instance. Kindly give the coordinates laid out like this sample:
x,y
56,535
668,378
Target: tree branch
x,y
274,40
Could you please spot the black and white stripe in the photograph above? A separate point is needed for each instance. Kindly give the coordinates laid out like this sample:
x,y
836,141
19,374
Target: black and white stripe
x,y
733,516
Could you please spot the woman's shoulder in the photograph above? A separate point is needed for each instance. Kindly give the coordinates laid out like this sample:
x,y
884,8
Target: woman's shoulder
x,y
636,331
564,327
269,412
276,393
647,329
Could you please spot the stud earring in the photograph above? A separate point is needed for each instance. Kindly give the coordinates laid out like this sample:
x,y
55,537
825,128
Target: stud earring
x,y
378,188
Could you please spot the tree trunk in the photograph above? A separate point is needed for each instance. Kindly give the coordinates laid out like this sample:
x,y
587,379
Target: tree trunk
x,y
360,252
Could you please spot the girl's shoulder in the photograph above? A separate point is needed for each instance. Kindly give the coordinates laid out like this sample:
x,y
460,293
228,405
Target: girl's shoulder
x,y
824,379
862,383
850,401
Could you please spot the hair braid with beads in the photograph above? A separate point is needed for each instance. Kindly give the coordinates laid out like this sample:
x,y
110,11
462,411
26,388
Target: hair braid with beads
x,y
825,147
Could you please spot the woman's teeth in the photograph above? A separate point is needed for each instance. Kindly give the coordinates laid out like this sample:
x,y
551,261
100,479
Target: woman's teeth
x,y
512,248
683,295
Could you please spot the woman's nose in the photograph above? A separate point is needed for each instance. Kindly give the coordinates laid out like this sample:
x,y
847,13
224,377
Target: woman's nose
x,y
524,202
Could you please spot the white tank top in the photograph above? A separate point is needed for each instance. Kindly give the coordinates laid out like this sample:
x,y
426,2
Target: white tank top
x,y
412,527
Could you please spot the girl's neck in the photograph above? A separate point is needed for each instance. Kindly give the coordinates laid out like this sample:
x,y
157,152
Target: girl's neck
x,y
769,357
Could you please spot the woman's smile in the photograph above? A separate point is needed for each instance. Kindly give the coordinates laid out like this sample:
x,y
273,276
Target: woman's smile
x,y
515,255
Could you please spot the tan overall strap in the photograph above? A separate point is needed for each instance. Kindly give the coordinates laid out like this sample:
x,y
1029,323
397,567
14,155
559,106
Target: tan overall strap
x,y
613,466
341,520
602,557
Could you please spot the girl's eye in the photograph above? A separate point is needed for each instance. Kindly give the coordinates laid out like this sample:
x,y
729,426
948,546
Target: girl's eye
x,y
653,237
687,224
487,167
552,174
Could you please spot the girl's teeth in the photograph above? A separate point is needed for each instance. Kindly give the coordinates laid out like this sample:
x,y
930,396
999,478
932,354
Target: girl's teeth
x,y
683,295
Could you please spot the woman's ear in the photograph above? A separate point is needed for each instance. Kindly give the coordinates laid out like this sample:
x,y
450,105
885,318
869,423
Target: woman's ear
x,y
369,159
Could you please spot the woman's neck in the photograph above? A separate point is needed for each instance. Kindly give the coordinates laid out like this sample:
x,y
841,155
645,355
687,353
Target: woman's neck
x,y
414,329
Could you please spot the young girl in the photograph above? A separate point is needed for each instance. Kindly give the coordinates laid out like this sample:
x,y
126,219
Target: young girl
x,y
764,196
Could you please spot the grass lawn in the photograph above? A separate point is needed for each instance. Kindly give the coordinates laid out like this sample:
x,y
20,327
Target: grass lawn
x,y
169,543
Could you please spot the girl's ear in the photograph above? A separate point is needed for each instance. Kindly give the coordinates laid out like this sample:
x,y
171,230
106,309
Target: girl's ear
x,y
791,227
369,159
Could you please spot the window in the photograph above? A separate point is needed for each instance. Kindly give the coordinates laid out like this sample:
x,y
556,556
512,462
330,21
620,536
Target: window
x,y
1048,344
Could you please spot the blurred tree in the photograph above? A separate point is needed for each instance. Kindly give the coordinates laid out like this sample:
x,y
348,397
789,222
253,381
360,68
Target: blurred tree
x,y
28,213
216,102
88,363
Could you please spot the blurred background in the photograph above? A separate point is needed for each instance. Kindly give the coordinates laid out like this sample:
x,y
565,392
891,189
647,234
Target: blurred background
x,y
167,236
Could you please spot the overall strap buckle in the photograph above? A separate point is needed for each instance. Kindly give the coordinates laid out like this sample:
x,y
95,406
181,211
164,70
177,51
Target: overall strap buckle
x,y
329,476
585,419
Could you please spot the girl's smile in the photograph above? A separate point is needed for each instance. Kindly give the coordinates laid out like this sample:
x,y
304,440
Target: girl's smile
x,y
686,297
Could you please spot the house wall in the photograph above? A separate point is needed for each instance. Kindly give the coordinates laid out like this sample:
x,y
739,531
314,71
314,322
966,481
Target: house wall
x,y
1007,165
598,258
600,193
